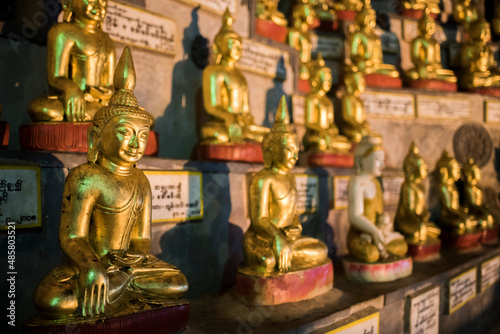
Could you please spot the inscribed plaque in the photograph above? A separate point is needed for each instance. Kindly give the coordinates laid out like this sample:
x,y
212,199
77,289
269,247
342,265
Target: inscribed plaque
x,y
422,312
392,188
340,192
307,193
462,289
366,325
490,272
381,104
263,59
441,107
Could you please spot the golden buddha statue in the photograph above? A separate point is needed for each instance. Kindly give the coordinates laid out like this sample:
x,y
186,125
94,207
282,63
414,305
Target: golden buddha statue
x,y
453,216
464,13
353,123
371,237
267,10
365,45
412,216
303,16
480,68
80,65
225,93
473,196
349,5
273,243
321,133
105,226
426,54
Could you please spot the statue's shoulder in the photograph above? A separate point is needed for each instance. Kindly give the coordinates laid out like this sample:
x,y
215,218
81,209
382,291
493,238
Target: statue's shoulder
x,y
84,178
263,176
63,29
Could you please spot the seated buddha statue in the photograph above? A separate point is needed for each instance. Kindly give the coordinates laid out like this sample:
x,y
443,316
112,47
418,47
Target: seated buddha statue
x,y
453,217
464,13
105,224
321,133
80,65
412,215
426,54
473,195
267,10
478,62
371,237
303,16
365,45
353,123
274,241
225,93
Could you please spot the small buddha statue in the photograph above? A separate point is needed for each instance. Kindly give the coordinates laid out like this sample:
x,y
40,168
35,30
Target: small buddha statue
x,y
371,237
353,123
453,216
80,65
365,45
464,13
321,133
267,10
412,215
473,195
426,54
225,93
303,16
480,68
348,5
105,225
274,241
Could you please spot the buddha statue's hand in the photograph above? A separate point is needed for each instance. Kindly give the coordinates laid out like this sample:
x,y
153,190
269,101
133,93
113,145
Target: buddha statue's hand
x,y
93,289
283,253
74,104
101,93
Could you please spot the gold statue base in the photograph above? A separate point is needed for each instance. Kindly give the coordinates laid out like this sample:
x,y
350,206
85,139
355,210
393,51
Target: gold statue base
x,y
382,81
4,135
270,30
433,85
279,288
66,137
358,271
416,14
245,152
426,251
491,91
343,160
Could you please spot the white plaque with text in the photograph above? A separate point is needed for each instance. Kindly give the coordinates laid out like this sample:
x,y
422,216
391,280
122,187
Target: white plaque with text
x,y
331,47
392,188
340,192
20,197
177,195
490,272
215,6
462,289
366,325
307,193
141,28
440,107
397,105
492,112
298,109
262,59
423,312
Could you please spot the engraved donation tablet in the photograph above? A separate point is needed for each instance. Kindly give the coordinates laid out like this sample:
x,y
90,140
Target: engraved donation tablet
x,y
490,272
262,59
382,104
340,192
422,312
462,289
307,193
440,107
392,188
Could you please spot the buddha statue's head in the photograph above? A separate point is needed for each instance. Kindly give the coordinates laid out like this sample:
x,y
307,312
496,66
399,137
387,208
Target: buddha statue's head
x,y
369,156
414,165
227,43
303,13
426,24
320,76
85,10
480,31
120,130
354,80
280,146
471,172
448,168
366,18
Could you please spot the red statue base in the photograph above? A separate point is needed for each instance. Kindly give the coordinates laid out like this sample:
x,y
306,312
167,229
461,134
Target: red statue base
x,y
303,85
462,241
377,272
4,135
429,250
159,320
491,91
330,160
284,288
382,80
65,137
416,14
247,152
346,15
270,30
433,85
490,236
328,26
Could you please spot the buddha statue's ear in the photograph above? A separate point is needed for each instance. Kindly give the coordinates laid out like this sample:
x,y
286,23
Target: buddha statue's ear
x,y
93,143
67,6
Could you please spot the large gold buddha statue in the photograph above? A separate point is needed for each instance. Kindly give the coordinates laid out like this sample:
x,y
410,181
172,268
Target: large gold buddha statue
x,y
412,215
353,123
426,54
371,237
274,243
80,65
267,10
478,62
365,45
225,93
321,133
105,226
464,13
